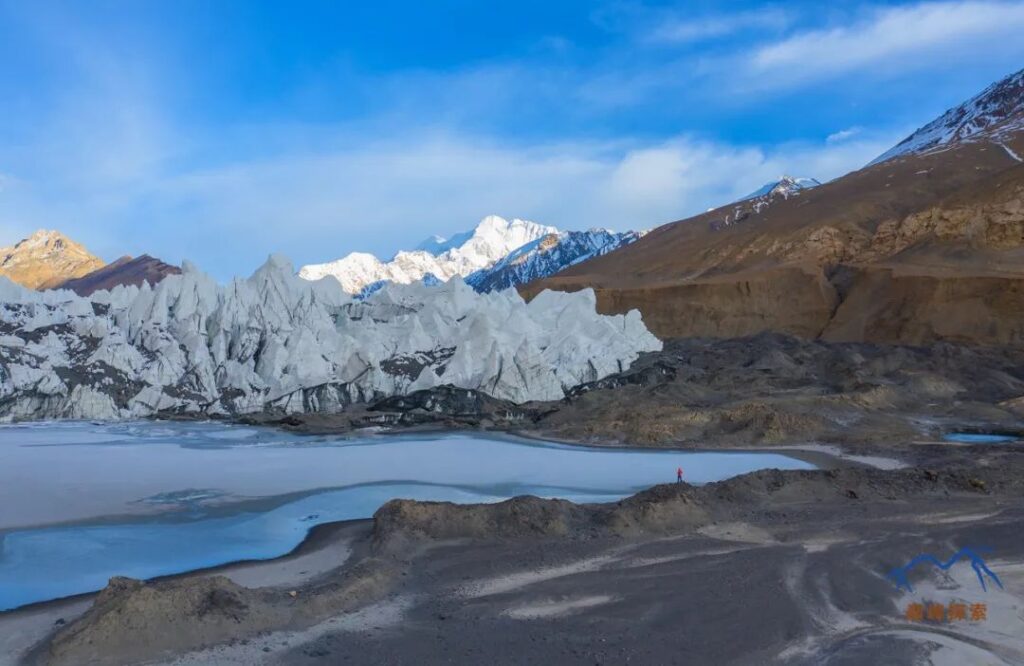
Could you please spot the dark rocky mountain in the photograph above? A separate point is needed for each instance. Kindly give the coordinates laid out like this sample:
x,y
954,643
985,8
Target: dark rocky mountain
x,y
124,271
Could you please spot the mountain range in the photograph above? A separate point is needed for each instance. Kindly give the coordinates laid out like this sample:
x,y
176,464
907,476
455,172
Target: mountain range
x,y
50,260
496,254
925,244
548,255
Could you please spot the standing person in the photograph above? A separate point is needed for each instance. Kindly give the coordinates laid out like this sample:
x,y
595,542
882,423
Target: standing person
x,y
679,475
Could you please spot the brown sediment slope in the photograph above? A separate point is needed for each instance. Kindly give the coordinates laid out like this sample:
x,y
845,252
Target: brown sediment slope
x,y
922,247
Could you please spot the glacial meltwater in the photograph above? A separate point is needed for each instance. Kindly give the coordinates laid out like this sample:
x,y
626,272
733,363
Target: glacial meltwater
x,y
979,438
81,502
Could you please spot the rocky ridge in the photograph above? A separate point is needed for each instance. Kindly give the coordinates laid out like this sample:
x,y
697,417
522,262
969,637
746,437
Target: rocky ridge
x,y
123,271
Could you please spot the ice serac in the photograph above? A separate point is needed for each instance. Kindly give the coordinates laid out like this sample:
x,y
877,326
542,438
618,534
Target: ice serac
x,y
547,256
444,259
274,341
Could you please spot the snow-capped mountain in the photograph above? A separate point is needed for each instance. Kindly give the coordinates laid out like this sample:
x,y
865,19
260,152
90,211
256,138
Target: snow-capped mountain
x,y
547,256
754,203
994,114
784,187
461,255
277,342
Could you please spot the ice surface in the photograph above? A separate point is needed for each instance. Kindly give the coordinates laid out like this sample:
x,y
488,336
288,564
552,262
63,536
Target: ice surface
x,y
148,499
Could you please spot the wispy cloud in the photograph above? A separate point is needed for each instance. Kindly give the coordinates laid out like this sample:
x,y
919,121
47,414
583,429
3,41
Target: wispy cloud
x,y
890,39
843,135
622,135
688,30
317,206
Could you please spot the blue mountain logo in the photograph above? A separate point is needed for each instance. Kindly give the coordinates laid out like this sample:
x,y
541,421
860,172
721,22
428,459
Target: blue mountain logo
x,y
900,575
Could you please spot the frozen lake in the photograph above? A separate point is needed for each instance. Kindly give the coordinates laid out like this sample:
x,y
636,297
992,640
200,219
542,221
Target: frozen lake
x,y
82,502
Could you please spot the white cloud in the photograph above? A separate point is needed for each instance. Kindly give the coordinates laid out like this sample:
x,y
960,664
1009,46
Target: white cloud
x,y
381,196
385,195
892,38
843,135
690,30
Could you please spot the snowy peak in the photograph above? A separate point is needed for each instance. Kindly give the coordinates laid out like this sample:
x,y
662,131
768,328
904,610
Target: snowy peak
x,y
492,239
46,259
752,205
549,255
436,245
993,114
785,187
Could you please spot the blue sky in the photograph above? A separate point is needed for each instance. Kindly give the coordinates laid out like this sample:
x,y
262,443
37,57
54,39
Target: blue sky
x,y
223,131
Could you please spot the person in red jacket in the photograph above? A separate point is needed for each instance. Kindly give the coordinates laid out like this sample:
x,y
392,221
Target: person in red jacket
x,y
679,475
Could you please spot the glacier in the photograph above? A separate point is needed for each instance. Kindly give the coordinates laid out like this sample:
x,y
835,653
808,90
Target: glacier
x,y
277,342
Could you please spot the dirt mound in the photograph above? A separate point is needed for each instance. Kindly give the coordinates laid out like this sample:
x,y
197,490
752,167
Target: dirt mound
x,y
674,508
666,508
400,521
132,620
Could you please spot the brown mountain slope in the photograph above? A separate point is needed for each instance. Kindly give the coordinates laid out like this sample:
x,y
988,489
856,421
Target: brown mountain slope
x,y
124,271
886,253
45,259
924,244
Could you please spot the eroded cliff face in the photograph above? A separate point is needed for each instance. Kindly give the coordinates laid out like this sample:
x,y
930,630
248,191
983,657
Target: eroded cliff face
x,y
885,306
798,300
